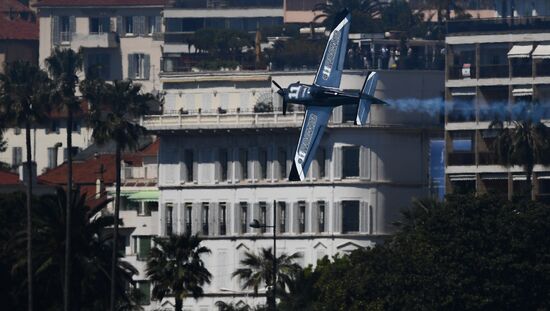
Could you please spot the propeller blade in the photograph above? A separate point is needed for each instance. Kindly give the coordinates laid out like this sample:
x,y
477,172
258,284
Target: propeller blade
x,y
277,85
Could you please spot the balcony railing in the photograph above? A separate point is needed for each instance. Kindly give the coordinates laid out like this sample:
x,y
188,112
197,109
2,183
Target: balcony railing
x,y
498,25
226,4
462,158
493,71
95,40
522,71
543,69
217,121
487,158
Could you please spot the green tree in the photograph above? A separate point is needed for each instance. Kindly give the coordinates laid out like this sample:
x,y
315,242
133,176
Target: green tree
x,y
91,256
64,65
25,97
175,266
115,109
525,143
258,269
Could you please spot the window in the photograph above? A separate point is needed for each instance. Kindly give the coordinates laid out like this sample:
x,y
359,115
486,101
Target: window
x,y
282,216
263,216
223,164
143,209
244,217
262,159
142,247
138,66
98,65
99,25
321,207
188,158
205,212
129,24
349,113
65,28
350,216
350,162
76,126
169,218
153,24
321,156
188,215
301,216
54,127
17,156
52,157
17,130
132,205
74,151
243,160
223,218
281,158
144,288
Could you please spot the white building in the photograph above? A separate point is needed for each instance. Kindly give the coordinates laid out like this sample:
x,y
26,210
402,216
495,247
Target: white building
x,y
221,168
120,39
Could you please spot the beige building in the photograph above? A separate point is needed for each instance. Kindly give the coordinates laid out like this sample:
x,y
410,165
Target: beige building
x,y
494,67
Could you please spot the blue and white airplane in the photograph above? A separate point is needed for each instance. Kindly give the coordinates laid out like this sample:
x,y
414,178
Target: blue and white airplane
x,y
325,94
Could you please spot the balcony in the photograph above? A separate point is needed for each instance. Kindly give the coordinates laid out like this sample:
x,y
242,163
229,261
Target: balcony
x,y
487,158
462,72
543,68
492,25
223,121
95,40
494,71
225,4
522,71
461,158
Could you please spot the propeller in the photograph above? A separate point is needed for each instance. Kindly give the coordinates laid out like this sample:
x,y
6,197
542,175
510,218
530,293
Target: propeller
x,y
281,92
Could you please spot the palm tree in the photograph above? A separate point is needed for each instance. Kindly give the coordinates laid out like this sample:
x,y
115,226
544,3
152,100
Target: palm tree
x,y
63,65
114,109
258,270
363,12
91,257
525,143
175,266
24,97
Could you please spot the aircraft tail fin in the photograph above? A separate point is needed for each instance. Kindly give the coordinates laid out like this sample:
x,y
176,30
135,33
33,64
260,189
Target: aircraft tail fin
x,y
366,99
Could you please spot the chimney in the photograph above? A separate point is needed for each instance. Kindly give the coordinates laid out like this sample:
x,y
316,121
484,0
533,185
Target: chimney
x,y
23,173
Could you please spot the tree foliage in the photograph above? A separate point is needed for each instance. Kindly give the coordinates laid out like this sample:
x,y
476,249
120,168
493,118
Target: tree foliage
x,y
465,254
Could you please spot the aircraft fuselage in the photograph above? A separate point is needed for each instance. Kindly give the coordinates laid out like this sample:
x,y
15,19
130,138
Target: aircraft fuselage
x,y
304,94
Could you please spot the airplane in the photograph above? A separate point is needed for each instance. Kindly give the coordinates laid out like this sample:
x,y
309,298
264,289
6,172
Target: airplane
x,y
324,94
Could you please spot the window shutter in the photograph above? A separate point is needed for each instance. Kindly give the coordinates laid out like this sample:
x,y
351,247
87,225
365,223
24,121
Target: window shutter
x,y
135,25
213,219
236,218
142,25
72,25
196,224
337,219
131,66
337,115
120,26
269,214
146,66
183,171
363,213
237,165
230,164
364,167
271,156
157,24
254,164
195,168
337,162
56,39
314,220
217,166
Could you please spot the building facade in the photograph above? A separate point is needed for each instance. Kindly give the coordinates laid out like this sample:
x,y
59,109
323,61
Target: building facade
x,y
495,68
222,164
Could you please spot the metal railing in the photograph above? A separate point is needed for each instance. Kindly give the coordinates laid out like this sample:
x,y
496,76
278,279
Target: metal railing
x,y
461,72
462,158
494,71
522,71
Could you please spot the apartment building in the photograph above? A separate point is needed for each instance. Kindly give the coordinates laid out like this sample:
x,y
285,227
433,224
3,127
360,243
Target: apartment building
x,y
18,33
493,68
223,163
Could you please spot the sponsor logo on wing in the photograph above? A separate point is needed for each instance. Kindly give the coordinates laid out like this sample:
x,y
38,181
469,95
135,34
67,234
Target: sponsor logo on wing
x,y
331,54
306,139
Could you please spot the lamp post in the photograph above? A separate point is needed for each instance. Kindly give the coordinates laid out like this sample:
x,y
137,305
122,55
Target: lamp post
x,y
256,224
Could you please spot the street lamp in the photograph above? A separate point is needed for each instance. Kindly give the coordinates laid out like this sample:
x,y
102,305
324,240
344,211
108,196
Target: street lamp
x,y
257,225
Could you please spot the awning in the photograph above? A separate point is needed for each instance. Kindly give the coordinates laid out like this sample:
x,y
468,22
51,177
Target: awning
x,y
520,51
494,176
519,177
522,92
545,176
463,92
462,177
147,196
542,51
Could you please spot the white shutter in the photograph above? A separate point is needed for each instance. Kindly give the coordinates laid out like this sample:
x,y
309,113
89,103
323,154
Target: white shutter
x,y
236,218
131,67
337,162
364,163
337,115
269,214
363,217
255,214
314,217
195,166
295,212
271,156
254,167
196,225
217,166
56,38
146,66
212,216
336,217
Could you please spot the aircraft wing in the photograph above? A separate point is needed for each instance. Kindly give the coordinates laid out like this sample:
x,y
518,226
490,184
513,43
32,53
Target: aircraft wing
x,y
314,124
329,73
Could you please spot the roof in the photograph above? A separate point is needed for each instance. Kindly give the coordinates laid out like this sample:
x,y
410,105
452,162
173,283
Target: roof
x,y
18,30
152,149
9,178
96,3
13,6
